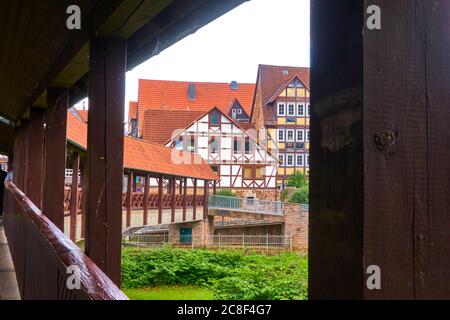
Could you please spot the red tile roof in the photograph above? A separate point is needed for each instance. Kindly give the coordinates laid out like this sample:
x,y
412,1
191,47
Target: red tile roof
x,y
83,115
146,156
132,114
270,80
173,95
159,125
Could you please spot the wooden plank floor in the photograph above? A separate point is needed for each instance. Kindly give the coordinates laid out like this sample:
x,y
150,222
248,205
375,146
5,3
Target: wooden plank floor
x,y
8,283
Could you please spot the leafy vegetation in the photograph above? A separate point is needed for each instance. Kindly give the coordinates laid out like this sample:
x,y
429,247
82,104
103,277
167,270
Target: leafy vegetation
x,y
297,180
227,274
301,195
226,192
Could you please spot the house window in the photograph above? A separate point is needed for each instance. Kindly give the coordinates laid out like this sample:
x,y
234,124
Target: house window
x,y
290,160
307,160
213,145
308,110
179,144
191,144
281,109
280,134
291,110
248,145
259,173
281,158
301,110
239,111
248,172
300,136
237,145
290,135
300,160
214,119
233,111
216,170
307,135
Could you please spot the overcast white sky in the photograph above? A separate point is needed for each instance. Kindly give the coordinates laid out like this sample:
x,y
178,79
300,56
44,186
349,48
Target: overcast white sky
x,y
232,46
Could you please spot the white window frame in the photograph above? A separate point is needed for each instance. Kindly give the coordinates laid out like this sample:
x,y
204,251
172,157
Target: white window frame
x,y
300,114
300,157
233,111
278,135
282,158
302,139
307,137
284,109
287,135
239,111
290,156
293,110
307,160
308,110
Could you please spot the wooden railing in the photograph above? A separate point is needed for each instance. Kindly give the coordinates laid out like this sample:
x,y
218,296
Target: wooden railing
x,y
42,255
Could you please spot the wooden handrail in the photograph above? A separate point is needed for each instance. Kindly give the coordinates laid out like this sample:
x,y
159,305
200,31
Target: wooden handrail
x,y
42,254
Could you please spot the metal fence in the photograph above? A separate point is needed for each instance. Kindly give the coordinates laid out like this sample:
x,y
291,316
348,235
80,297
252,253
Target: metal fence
x,y
245,205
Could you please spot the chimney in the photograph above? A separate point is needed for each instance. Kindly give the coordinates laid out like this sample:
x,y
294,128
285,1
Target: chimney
x,y
191,91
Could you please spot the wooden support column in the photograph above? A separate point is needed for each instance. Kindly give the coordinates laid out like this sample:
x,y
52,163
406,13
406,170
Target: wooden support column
x,y
160,199
205,199
83,195
214,187
74,195
20,155
379,150
172,199
146,192
105,153
129,198
184,198
194,200
35,157
55,155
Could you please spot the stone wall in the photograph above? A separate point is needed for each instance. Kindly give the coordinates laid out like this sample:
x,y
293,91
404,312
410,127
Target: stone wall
x,y
201,231
260,194
262,230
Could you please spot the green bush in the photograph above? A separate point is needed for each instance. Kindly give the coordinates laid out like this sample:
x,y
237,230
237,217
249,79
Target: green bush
x,y
229,274
226,193
297,180
301,195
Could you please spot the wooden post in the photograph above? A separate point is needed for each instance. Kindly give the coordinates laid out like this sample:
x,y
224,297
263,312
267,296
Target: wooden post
x,y
180,186
214,187
172,199
160,199
146,192
184,198
194,200
83,195
35,163
105,153
129,197
55,156
205,199
379,201
74,195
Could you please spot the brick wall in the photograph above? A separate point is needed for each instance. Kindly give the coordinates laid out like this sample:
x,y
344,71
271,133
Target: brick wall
x,y
201,230
296,226
263,194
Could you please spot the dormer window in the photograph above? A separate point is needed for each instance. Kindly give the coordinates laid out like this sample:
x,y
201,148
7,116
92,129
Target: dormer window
x,y
281,109
214,119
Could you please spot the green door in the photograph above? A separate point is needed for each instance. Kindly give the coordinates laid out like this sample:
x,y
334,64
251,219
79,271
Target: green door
x,y
185,235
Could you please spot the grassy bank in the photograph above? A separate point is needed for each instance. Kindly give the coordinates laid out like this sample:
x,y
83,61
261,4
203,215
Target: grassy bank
x,y
224,274
170,293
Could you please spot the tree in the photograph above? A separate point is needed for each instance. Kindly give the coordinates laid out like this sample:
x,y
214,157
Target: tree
x,y
301,195
297,180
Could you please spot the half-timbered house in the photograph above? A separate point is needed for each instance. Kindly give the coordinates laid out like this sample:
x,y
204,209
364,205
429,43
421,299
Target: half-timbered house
x,y
233,152
281,114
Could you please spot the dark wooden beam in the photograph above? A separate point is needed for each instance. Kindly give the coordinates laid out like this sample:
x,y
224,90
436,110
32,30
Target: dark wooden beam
x,y
173,194
205,199
379,150
36,156
129,198
105,154
74,195
184,198
214,187
194,209
160,199
55,156
146,192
